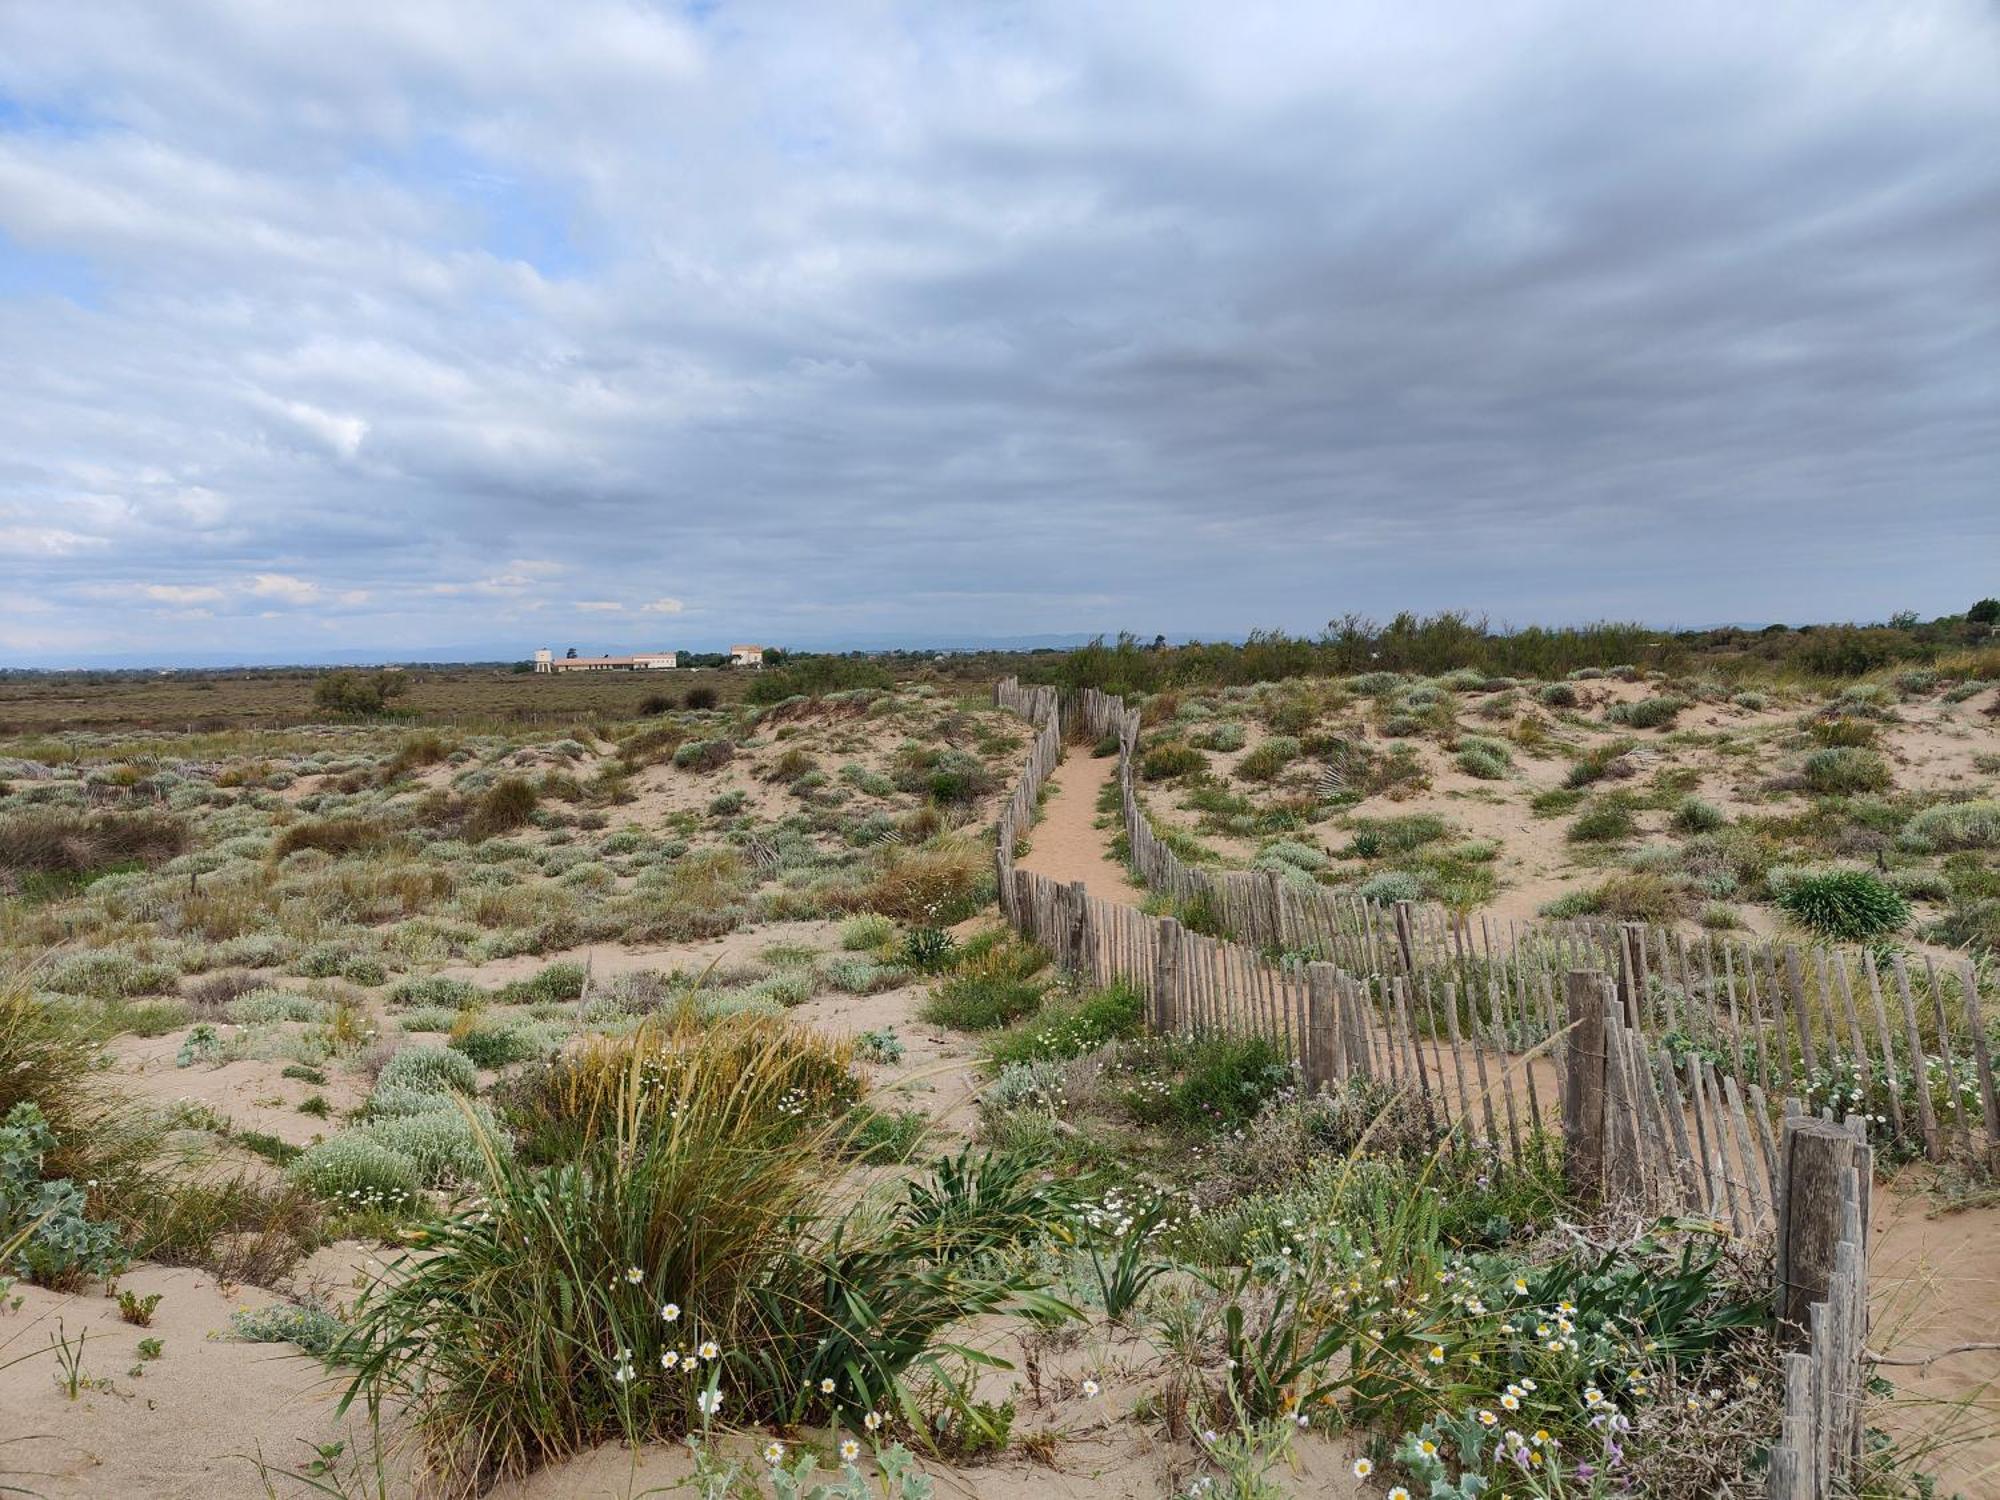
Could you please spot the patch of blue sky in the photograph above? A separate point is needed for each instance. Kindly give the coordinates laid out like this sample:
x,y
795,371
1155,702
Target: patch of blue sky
x,y
510,217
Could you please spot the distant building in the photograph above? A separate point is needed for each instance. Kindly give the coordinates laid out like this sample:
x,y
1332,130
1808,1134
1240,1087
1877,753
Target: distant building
x,y
746,656
643,661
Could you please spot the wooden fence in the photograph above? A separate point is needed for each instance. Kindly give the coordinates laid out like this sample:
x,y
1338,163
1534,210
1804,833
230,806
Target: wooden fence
x,y
1659,1074
1903,1044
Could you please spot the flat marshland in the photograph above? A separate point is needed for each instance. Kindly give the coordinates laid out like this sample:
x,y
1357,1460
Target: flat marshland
x,y
575,1086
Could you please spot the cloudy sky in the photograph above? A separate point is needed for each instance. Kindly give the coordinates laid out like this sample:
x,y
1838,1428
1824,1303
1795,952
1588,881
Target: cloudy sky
x,y
494,324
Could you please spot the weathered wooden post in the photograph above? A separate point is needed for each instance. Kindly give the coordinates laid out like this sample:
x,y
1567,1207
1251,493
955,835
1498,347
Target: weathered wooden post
x,y
1166,1017
1076,930
1822,1168
1404,940
1325,1061
1583,1087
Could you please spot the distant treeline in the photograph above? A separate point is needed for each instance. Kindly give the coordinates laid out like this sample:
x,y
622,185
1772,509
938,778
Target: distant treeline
x,y
1433,644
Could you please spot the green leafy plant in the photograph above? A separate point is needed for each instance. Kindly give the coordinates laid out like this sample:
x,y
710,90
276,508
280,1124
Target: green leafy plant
x,y
136,1309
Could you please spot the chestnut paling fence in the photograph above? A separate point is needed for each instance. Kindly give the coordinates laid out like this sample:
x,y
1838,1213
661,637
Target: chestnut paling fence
x,y
1662,1063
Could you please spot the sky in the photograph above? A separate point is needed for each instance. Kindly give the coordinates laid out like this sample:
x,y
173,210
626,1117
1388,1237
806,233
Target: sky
x,y
481,325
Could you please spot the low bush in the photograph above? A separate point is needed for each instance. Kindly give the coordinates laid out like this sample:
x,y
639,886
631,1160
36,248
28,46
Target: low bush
x,y
501,808
336,836
354,1169
1165,761
1954,825
990,989
1606,822
1071,1028
866,933
57,840
1391,886
1846,905
1269,758
1843,771
433,1070
1646,713
1692,815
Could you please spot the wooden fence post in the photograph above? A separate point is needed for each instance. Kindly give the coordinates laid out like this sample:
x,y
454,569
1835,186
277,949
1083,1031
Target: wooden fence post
x,y
1167,978
1816,1158
1324,1050
1074,947
1583,1087
1403,939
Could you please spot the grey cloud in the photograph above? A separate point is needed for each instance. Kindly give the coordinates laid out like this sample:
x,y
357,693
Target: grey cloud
x,y
850,320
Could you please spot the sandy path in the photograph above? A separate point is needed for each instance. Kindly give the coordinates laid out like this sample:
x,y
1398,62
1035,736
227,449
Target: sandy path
x,y
1066,844
1933,1284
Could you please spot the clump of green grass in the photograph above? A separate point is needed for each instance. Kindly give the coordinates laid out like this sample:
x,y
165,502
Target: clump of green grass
x,y
504,806
1269,758
991,987
866,933
1483,758
1171,759
1693,815
1646,713
1843,771
1846,905
700,1213
1071,1028
1608,821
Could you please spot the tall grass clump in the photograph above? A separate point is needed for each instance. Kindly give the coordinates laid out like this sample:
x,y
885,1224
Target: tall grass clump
x,y
698,1223
1843,770
1847,905
503,807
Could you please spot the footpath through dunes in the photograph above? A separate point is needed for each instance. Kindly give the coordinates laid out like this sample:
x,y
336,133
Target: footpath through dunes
x,y
1065,844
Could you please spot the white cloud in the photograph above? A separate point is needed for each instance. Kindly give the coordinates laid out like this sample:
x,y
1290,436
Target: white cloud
x,y
285,586
177,593
600,606
663,607
46,541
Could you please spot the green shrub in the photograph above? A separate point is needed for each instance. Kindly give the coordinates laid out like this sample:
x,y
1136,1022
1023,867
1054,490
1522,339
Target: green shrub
x,y
503,807
1606,822
556,984
1842,771
106,974
1071,1028
1375,837
1391,886
1595,763
490,1045
435,991
866,933
704,755
1646,713
355,1169
444,1145
1227,1080
261,1007
435,1070
727,804
990,989
1558,695
1269,758
1846,905
1165,761
690,1199
1752,701
1481,763
1692,815
1954,825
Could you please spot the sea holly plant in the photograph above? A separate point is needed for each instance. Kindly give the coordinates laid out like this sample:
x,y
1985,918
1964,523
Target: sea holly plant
x,y
60,1244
